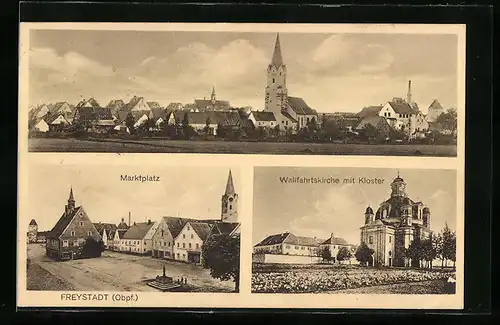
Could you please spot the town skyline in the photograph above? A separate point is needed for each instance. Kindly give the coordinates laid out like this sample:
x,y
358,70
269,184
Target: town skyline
x,y
187,192
317,210
181,66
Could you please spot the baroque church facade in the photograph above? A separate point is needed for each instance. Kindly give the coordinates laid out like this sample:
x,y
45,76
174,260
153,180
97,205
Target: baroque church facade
x,y
291,113
397,222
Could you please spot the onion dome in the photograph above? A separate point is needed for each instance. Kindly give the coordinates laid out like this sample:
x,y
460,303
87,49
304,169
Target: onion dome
x,y
369,210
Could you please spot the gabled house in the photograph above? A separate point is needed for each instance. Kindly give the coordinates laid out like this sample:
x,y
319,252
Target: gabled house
x,y
115,106
262,119
200,120
56,121
159,116
288,244
118,244
69,235
137,239
106,230
40,126
63,108
189,241
175,107
212,104
334,244
378,122
434,110
93,117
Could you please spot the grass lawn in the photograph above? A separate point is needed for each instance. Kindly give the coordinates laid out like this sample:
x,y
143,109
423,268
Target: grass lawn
x,y
235,147
283,278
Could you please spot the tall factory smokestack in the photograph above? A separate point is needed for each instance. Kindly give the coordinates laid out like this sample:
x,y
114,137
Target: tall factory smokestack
x,y
408,96
129,219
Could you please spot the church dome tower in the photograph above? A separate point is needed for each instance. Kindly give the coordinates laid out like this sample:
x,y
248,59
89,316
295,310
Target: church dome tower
x,y
229,202
426,216
276,91
368,215
398,187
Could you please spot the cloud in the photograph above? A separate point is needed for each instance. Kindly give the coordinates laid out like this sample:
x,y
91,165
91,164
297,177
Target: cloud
x,y
340,55
69,64
332,213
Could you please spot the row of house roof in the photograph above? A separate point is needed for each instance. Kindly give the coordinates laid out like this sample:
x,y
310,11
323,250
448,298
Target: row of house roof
x,y
289,238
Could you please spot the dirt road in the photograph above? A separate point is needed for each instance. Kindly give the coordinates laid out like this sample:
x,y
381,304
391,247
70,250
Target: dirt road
x,y
121,272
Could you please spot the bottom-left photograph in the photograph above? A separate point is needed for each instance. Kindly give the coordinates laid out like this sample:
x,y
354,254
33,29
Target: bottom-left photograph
x,y
128,228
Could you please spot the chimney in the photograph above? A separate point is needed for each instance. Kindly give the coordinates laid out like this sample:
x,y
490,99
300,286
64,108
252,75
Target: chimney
x,y
332,236
408,96
149,221
129,214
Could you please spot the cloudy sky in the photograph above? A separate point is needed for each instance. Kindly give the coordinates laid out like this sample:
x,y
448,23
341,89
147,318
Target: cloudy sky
x,y
185,191
333,72
320,209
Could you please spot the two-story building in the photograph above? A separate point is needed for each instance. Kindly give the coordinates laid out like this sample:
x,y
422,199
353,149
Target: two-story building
x,y
137,239
69,235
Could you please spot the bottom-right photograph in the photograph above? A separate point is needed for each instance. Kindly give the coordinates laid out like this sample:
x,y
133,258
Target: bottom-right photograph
x,y
354,230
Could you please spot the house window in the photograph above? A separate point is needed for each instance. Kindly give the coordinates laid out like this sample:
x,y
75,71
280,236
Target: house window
x,y
145,243
197,245
273,80
81,223
189,245
296,247
390,239
178,255
178,245
73,233
370,240
168,244
230,207
192,236
184,236
287,246
162,232
183,245
188,228
65,243
90,233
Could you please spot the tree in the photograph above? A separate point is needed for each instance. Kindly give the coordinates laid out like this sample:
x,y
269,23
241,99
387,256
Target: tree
x,y
312,125
331,129
371,132
325,253
343,254
448,120
221,130
414,252
206,130
129,122
364,254
429,251
221,254
449,244
93,248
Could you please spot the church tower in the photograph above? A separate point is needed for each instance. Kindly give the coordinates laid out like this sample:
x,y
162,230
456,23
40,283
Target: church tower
x,y
398,187
276,92
212,96
229,202
70,207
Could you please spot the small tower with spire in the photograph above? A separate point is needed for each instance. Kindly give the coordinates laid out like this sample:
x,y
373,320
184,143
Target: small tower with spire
x,y
212,96
70,207
276,92
229,212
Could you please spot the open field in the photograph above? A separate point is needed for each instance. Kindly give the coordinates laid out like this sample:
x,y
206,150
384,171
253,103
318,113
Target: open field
x,y
117,272
347,279
233,147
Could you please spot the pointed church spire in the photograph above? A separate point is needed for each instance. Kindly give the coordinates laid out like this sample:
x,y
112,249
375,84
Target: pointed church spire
x,y
277,58
230,184
212,96
71,197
